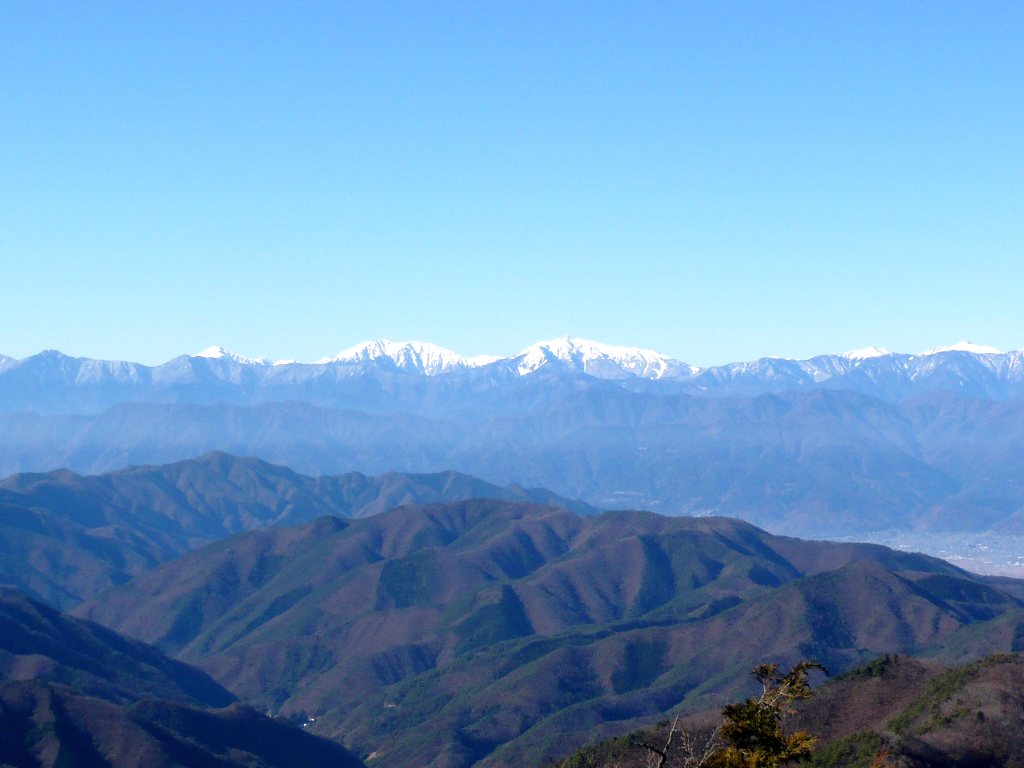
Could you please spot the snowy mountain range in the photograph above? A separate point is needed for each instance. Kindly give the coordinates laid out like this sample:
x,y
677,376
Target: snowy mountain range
x,y
412,356
219,353
588,357
592,358
427,380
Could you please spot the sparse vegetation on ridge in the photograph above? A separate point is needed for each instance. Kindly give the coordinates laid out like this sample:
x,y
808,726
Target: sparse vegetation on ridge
x,y
893,711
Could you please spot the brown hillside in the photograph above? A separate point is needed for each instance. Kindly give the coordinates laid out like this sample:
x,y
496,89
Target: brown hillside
x,y
895,711
507,632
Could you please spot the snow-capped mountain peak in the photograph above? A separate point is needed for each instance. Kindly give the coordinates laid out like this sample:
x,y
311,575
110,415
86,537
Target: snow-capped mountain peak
x,y
219,353
600,360
412,356
476,362
965,346
592,358
866,354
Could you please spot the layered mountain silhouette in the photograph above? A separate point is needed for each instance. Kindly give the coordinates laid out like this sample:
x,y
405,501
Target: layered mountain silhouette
x,y
493,632
66,537
820,463
73,693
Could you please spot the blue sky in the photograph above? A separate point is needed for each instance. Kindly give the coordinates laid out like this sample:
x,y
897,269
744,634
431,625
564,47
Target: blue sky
x,y
715,181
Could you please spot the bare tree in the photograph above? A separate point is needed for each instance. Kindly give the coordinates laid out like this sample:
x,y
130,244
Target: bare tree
x,y
693,749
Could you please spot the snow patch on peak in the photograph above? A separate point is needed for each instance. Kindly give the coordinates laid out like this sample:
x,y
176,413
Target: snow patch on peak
x,y
965,346
866,354
476,362
600,360
219,353
413,356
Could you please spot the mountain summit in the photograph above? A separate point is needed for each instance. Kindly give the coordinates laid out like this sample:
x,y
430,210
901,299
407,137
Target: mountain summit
x,y
965,346
600,360
412,356
219,353
581,356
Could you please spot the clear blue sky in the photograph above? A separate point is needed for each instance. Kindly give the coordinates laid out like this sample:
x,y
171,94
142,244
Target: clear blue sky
x,y
717,181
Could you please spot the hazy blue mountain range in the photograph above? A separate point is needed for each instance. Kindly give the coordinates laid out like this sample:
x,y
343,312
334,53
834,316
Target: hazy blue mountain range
x,y
422,379
499,633
808,463
833,445
65,538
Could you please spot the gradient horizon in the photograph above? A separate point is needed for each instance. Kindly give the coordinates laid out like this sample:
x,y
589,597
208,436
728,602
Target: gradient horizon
x,y
714,183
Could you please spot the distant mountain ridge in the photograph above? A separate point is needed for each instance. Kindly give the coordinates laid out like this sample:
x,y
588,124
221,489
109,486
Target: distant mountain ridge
x,y
411,356
424,379
590,357
819,463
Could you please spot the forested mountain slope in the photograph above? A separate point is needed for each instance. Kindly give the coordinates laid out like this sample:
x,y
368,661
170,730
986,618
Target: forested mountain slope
x,y
921,713
494,631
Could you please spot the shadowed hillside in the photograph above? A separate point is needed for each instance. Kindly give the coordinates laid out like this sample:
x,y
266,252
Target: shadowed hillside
x,y
498,632
47,726
40,643
76,694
